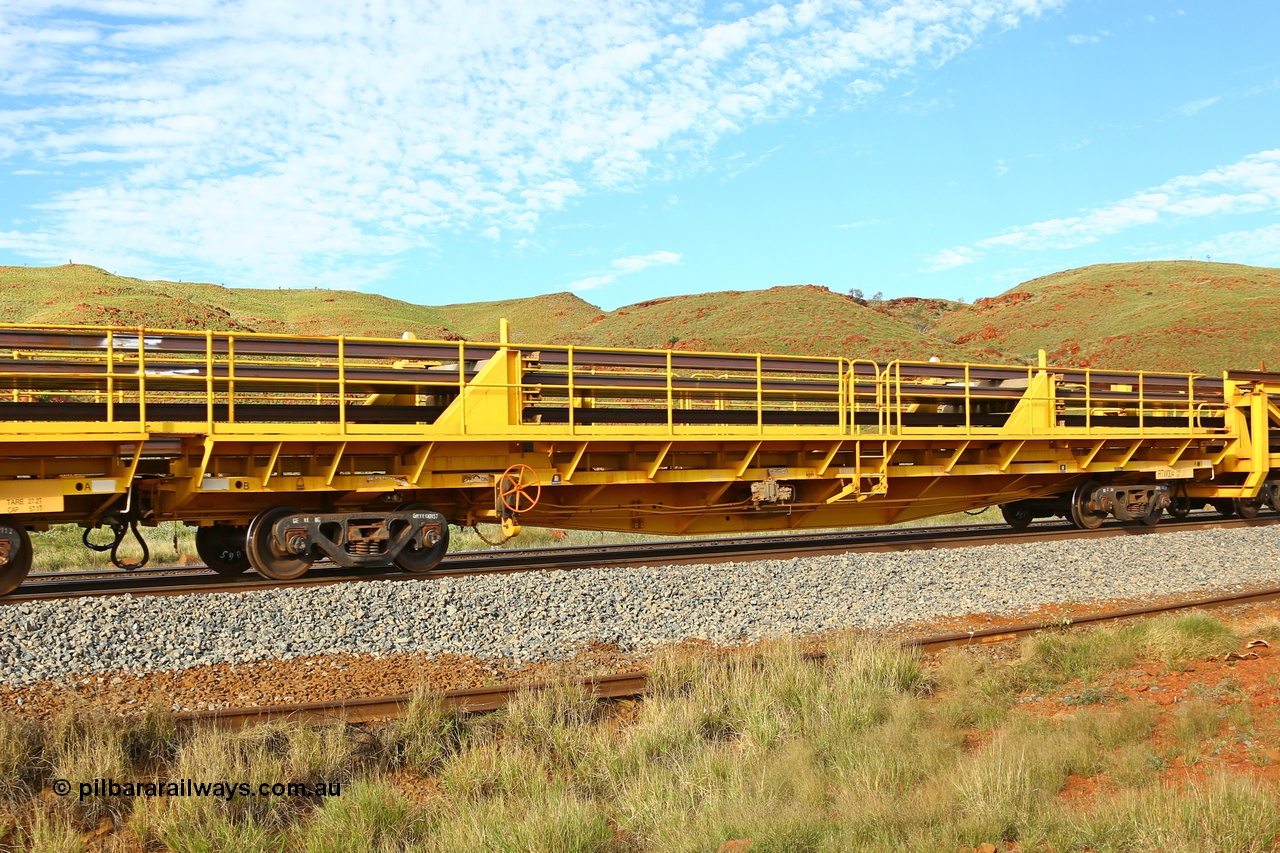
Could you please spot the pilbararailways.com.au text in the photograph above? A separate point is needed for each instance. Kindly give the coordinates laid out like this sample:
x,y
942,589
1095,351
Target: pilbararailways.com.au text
x,y
223,790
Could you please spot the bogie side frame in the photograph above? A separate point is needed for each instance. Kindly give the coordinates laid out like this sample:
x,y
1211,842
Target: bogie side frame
x,y
364,450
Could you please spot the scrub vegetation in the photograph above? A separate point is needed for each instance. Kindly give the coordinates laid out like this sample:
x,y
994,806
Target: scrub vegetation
x,y
761,749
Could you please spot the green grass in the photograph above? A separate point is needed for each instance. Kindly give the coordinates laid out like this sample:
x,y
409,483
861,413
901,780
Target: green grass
x,y
856,753
61,547
1052,659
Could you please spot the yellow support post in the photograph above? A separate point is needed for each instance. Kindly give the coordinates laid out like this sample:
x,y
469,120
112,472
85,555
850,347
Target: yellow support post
x,y
209,394
111,376
670,400
759,395
231,379
1260,435
342,385
142,375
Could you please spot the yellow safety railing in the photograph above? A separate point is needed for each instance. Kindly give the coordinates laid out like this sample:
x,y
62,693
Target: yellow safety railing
x,y
1085,399
128,372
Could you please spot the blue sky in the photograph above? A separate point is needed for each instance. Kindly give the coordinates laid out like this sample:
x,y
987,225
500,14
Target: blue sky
x,y
631,149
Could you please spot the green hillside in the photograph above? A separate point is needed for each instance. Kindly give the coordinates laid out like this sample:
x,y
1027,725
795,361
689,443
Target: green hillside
x,y
1165,315
538,319
801,320
1160,315
91,296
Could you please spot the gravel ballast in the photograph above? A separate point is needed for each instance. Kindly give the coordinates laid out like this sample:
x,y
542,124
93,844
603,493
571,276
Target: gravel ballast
x,y
548,615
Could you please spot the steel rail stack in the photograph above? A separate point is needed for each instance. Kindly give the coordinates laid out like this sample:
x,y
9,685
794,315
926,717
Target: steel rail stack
x,y
285,450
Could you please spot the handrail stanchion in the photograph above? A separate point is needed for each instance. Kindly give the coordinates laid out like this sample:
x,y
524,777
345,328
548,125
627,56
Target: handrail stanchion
x,y
882,400
111,376
840,396
900,405
342,384
1191,401
1142,406
142,376
571,395
887,379
968,418
1088,401
759,395
670,398
231,379
208,378
462,387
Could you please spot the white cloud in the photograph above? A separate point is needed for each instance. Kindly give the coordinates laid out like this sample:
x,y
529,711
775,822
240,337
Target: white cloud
x,y
1251,185
1079,38
281,141
1192,107
738,163
626,266
863,89
948,258
592,281
1259,246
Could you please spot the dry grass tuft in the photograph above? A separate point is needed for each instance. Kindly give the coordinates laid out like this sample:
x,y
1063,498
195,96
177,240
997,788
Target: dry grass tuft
x,y
866,751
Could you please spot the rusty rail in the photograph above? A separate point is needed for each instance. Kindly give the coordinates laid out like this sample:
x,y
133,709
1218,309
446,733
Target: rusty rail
x,y
635,684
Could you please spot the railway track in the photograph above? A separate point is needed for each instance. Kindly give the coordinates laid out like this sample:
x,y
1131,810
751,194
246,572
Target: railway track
x,y
635,684
181,580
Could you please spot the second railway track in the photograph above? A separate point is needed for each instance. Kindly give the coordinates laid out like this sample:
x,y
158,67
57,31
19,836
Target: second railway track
x,y
636,683
182,580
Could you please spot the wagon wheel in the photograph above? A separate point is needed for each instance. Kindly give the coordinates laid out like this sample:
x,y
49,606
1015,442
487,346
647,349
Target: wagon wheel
x,y
428,556
1017,517
519,489
1081,515
1271,496
1225,507
222,547
266,559
15,554
1247,507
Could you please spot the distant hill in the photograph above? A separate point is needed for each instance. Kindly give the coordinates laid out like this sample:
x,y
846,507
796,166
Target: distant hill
x,y
801,319
539,319
90,296
1162,315
1165,315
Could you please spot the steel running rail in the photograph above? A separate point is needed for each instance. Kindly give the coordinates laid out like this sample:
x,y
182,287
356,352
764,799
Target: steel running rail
x,y
682,552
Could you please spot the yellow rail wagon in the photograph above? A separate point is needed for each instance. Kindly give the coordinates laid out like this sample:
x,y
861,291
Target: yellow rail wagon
x,y
285,450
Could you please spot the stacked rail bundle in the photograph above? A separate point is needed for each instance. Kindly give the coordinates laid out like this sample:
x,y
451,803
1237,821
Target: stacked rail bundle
x,y
286,450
